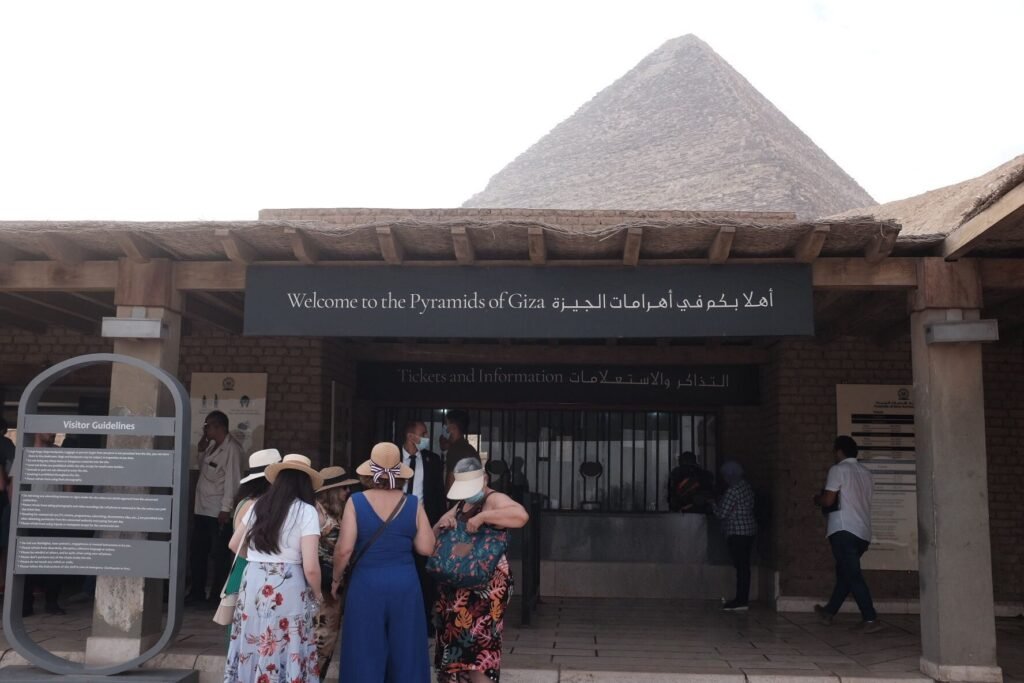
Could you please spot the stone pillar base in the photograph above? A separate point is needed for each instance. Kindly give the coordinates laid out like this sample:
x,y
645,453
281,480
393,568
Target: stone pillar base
x,y
107,650
957,673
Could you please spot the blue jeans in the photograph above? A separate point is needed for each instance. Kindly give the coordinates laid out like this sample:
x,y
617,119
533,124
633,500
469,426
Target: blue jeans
x,y
847,550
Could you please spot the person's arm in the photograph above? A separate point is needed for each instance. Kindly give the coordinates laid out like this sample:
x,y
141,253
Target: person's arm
x,y
499,511
827,498
425,540
345,545
243,509
724,508
447,521
311,564
238,536
232,474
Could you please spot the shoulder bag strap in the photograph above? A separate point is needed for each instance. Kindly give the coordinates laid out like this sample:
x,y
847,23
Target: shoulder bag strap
x,y
377,534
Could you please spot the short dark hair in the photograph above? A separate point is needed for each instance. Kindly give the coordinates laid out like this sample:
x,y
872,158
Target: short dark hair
x,y
411,425
3,425
218,418
688,457
460,418
847,445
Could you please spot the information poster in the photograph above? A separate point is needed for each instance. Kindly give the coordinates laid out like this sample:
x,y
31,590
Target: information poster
x,y
880,418
240,396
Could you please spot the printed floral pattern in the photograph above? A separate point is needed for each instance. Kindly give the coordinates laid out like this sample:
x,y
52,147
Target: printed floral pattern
x,y
272,632
327,625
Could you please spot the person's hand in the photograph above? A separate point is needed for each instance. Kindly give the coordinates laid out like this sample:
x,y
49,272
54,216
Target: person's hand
x,y
204,443
445,523
335,587
474,524
223,518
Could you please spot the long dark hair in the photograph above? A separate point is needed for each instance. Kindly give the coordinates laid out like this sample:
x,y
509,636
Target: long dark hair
x,y
252,489
271,509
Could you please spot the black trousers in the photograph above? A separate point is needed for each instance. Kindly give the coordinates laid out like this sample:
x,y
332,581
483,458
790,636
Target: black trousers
x,y
847,550
209,541
740,549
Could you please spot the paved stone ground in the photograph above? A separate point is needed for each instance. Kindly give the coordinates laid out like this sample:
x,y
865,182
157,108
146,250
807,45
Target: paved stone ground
x,y
618,640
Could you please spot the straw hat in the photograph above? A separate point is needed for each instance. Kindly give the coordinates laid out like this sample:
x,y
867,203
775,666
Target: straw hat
x,y
335,477
259,461
385,461
294,461
469,482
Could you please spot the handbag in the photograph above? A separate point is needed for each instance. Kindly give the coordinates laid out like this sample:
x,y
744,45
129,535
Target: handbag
x,y
464,560
346,577
225,613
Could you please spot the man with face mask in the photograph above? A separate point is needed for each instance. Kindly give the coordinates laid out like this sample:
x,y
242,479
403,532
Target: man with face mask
x,y
427,482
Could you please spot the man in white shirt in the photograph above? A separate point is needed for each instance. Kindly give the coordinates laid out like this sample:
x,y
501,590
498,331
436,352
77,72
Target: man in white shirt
x,y
220,470
846,501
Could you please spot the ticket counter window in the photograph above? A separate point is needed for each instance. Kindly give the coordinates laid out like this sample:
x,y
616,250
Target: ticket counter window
x,y
580,460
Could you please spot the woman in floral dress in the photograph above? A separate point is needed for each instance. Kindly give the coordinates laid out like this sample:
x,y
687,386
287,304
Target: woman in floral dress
x,y
272,635
469,622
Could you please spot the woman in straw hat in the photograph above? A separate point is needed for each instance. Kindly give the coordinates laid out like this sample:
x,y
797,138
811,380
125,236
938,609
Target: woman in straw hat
x,y
253,485
330,503
386,630
469,622
272,631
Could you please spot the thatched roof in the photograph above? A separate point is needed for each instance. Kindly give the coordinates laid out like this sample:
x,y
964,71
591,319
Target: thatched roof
x,y
941,211
682,130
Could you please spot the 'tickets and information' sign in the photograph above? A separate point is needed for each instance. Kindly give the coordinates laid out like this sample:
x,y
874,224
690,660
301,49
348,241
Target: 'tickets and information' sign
x,y
510,302
698,385
880,418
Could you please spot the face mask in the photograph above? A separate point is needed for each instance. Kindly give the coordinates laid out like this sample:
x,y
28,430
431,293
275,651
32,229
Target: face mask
x,y
473,500
424,443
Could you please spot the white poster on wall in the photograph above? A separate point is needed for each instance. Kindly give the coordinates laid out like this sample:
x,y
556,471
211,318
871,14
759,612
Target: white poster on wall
x,y
242,396
880,418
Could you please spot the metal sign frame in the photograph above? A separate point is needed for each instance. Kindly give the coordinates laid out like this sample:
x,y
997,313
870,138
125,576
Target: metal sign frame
x,y
14,625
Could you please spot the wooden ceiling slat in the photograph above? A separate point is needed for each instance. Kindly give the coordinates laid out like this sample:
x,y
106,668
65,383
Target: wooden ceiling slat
x,y
63,306
464,252
59,248
390,248
880,247
236,248
303,246
20,307
198,309
722,245
631,251
537,245
809,246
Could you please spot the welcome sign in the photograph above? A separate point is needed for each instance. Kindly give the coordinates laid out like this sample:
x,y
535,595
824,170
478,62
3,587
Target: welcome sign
x,y
511,302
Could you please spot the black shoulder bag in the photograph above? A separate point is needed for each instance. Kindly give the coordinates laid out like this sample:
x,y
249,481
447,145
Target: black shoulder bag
x,y
346,577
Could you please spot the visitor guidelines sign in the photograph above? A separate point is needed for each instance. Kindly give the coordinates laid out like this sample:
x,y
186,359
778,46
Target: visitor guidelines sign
x,y
511,302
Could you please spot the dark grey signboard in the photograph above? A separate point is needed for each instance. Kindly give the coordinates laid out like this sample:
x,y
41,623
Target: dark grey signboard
x,y
593,384
111,557
96,511
62,496
566,302
108,467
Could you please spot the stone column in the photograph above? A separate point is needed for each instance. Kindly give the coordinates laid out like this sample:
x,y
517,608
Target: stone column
x,y
127,616
958,636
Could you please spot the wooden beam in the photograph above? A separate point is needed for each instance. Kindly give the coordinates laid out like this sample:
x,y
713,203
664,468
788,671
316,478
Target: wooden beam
x,y
880,247
464,252
32,311
59,248
390,247
722,245
210,276
809,246
138,248
631,252
41,276
236,248
10,253
537,245
855,273
961,241
212,315
46,301
90,307
568,352
303,246
219,302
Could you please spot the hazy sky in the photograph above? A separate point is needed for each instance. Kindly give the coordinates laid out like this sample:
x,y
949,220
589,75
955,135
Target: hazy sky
x,y
179,110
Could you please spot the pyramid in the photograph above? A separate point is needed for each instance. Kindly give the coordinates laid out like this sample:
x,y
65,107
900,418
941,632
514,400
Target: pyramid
x,y
681,130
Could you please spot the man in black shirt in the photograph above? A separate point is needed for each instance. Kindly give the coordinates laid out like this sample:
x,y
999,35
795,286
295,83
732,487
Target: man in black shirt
x,y
689,486
456,424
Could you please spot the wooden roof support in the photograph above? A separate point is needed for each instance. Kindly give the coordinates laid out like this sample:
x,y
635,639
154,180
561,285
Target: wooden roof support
x,y
219,318
962,240
631,252
390,248
40,276
235,248
59,248
537,245
464,252
880,247
809,246
85,305
856,273
27,309
219,302
303,246
138,248
722,245
49,301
